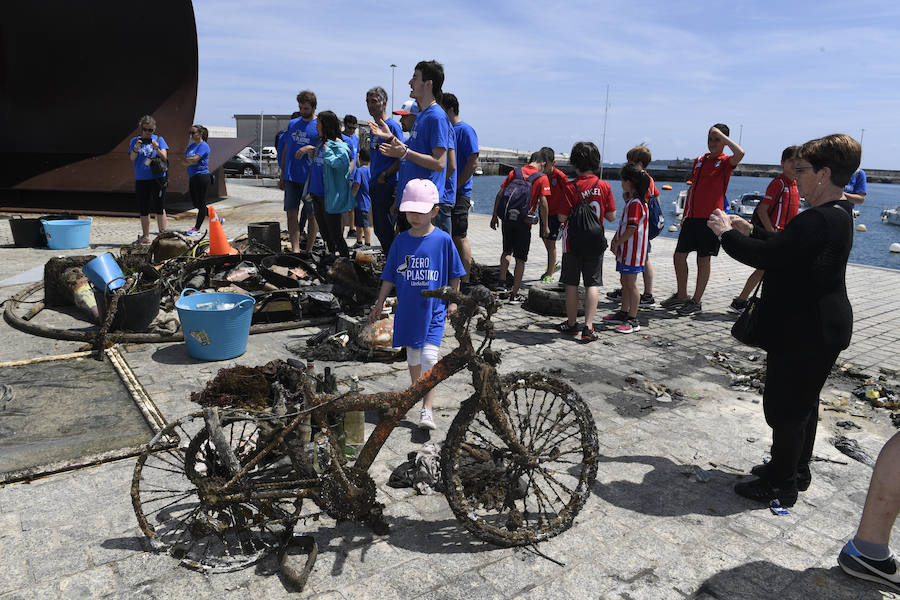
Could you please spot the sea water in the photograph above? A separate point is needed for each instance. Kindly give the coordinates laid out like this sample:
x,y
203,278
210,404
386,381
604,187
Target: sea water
x,y
869,248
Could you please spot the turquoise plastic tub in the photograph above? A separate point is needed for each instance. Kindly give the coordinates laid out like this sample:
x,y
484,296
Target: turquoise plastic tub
x,y
216,325
65,234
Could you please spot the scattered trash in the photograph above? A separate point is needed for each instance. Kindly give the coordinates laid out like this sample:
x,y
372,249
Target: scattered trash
x,y
660,391
847,425
852,449
777,509
664,397
744,377
878,395
421,471
696,472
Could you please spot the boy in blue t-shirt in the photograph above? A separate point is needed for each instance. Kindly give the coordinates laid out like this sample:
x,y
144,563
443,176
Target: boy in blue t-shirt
x,y
421,258
360,190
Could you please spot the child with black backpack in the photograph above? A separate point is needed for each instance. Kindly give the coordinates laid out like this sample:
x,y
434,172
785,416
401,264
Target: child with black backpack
x,y
588,201
522,196
629,244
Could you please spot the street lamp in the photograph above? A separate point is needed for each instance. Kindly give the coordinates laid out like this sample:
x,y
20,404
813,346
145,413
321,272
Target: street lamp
x,y
740,135
861,134
393,70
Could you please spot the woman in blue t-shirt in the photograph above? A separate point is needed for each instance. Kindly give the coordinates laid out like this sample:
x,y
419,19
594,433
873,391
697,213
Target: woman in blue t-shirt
x,y
196,158
149,187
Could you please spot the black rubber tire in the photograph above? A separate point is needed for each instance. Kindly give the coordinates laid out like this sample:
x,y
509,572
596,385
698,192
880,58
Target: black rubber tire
x,y
499,500
248,171
550,299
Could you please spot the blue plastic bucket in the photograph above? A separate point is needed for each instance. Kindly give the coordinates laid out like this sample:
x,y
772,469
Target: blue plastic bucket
x,y
68,233
104,272
216,325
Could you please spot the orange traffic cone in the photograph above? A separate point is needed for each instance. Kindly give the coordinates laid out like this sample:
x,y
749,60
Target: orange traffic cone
x,y
218,243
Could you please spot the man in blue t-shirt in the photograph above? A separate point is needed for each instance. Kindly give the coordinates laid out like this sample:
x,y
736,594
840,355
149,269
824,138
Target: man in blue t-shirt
x,y
466,162
425,156
855,190
295,170
383,170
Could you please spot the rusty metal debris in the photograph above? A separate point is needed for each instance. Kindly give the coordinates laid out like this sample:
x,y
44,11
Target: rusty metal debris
x,y
518,462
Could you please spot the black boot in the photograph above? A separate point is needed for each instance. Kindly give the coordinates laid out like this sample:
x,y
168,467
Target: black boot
x,y
762,490
803,479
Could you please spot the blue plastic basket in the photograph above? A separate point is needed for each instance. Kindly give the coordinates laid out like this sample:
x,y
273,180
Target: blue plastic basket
x,y
104,272
216,325
65,234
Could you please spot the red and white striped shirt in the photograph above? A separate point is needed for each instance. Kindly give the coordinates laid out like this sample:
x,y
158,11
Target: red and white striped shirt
x,y
634,251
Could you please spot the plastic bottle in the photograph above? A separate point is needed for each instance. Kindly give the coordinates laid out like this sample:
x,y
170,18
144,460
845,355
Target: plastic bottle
x,y
354,430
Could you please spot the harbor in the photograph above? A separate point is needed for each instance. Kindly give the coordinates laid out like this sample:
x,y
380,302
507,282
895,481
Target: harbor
x,y
678,424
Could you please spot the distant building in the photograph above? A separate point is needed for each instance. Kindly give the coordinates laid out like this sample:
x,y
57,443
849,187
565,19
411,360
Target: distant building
x,y
248,127
217,131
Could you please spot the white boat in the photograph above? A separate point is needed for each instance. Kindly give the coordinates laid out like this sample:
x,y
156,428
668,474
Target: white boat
x,y
746,205
678,203
479,171
891,216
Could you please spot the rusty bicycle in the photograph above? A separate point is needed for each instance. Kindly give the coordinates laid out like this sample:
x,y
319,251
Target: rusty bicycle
x,y
221,487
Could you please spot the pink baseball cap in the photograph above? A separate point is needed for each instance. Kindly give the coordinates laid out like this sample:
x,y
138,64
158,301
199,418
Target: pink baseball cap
x,y
419,196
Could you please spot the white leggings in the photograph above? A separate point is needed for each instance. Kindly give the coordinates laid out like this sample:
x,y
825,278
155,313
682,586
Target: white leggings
x,y
426,357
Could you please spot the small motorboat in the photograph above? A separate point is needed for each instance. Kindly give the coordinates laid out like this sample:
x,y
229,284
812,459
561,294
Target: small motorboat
x,y
746,205
667,187
678,203
891,216
479,171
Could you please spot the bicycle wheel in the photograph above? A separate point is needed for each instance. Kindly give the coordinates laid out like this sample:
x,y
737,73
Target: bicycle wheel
x,y
513,500
177,494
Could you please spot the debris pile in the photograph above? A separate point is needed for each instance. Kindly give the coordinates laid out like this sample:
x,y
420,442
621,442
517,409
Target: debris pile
x,y
746,373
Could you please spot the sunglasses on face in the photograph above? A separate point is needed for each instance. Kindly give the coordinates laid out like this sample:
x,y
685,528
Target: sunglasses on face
x,y
148,129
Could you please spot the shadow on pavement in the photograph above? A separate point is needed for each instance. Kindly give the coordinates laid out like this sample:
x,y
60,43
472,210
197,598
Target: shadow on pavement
x,y
670,489
175,354
761,579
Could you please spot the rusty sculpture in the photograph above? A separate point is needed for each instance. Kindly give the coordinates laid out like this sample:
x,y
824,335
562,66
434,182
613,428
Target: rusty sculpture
x,y
221,487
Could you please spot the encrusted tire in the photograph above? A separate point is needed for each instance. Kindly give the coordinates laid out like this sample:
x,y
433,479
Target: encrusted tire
x,y
550,299
510,500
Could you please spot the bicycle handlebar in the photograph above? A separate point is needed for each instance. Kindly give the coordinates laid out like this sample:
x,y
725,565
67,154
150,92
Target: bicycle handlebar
x,y
477,296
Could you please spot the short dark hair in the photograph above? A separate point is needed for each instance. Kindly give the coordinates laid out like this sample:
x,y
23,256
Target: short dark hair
x,y
350,120
450,102
638,177
535,157
307,97
585,156
331,125
789,153
723,128
432,71
363,155
547,154
838,151
639,154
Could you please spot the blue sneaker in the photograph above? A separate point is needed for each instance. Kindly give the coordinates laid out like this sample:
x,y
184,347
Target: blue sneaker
x,y
883,571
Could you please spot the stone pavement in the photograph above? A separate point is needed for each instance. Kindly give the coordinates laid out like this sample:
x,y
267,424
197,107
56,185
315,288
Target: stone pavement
x,y
650,530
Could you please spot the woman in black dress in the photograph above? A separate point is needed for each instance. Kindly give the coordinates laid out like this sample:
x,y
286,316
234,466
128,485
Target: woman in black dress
x,y
805,316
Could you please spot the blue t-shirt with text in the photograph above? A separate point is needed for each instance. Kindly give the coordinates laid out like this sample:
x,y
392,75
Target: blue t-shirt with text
x,y
466,145
361,176
415,264
200,149
299,133
431,130
378,162
142,170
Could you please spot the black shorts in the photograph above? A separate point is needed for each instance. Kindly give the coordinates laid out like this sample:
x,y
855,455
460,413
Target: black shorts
x,y
360,218
516,239
696,236
577,268
553,225
150,196
459,218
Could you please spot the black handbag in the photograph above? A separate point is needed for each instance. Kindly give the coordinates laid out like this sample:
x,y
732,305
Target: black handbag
x,y
747,328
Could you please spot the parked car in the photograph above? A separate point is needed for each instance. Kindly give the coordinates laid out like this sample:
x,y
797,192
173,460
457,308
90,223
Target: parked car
x,y
269,153
249,153
241,165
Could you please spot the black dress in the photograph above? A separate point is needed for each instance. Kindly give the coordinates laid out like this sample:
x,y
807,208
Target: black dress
x,y
806,318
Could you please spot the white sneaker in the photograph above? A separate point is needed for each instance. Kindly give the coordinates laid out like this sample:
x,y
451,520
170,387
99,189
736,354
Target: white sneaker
x,y
426,419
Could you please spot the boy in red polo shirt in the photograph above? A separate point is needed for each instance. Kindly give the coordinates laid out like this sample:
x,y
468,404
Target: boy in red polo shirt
x,y
710,177
780,204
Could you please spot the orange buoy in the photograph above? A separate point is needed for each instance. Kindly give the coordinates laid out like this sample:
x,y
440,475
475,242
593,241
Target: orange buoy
x,y
688,182
667,187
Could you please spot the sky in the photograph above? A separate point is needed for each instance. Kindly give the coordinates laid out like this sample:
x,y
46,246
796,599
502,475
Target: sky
x,y
531,74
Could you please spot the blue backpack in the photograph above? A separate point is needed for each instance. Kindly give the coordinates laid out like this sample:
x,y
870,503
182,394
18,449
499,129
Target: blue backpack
x,y
515,203
656,220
